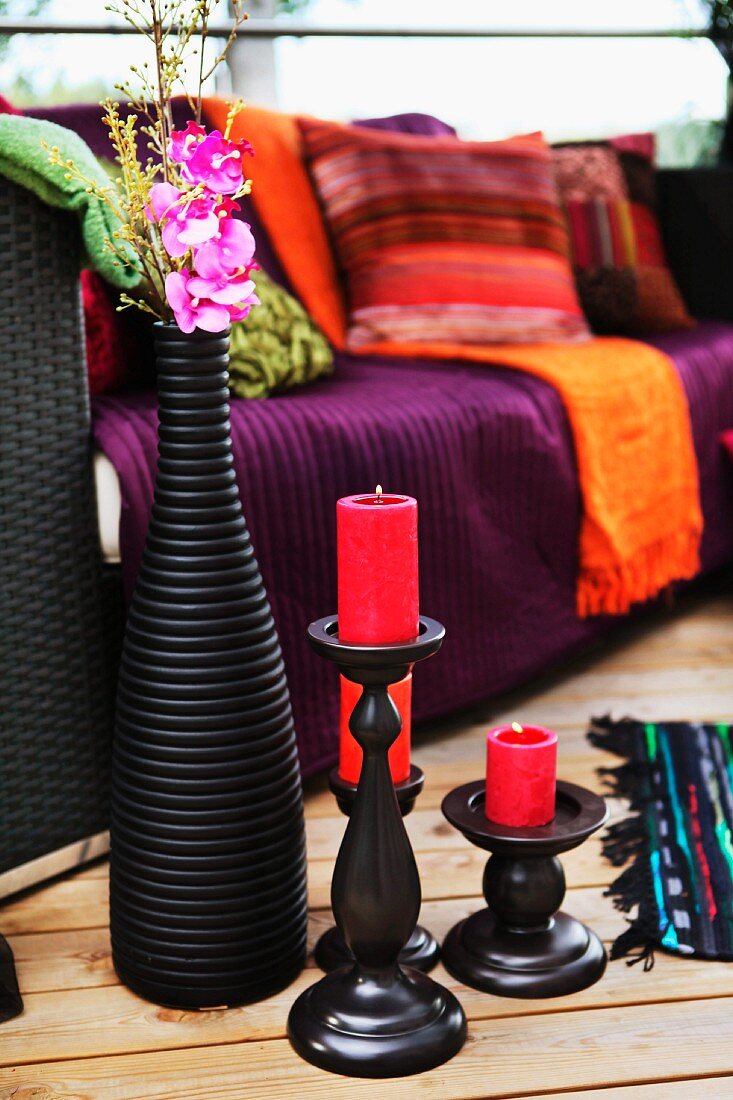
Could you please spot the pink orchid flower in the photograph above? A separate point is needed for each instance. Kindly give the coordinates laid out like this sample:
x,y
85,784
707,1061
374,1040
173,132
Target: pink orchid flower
x,y
223,267
182,143
230,250
186,222
191,311
216,163
238,313
223,287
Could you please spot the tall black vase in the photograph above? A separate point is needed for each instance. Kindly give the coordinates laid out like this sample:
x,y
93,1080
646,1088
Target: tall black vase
x,y
208,901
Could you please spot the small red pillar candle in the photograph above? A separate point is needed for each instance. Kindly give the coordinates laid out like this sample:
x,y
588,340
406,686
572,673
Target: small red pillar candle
x,y
521,764
350,754
377,568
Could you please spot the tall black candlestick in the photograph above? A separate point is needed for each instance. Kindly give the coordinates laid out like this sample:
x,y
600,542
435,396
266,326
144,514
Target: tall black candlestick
x,y
421,950
376,1018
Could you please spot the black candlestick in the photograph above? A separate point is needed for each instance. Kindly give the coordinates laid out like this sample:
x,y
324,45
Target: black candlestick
x,y
521,946
421,950
376,1018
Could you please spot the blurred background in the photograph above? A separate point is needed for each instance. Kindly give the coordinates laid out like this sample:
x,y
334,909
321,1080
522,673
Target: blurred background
x,y
569,87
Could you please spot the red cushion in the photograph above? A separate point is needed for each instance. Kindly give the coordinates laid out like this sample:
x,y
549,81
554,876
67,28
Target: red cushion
x,y
442,240
105,336
7,108
107,343
624,282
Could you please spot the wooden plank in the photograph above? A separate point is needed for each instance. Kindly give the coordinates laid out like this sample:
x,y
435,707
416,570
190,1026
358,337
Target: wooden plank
x,y
608,1043
442,775
458,873
74,903
696,690
703,1088
82,902
93,1022
503,1058
464,752
588,905
99,869
427,828
698,693
81,959
48,961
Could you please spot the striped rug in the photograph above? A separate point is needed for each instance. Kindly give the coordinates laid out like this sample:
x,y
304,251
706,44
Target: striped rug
x,y
679,779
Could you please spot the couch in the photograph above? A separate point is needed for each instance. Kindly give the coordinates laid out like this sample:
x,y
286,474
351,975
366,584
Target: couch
x,y
486,451
488,454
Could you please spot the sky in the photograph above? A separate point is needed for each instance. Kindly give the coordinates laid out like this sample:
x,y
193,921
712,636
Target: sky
x,y
486,88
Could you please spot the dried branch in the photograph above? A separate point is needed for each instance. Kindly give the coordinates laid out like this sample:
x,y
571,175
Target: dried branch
x,y
171,27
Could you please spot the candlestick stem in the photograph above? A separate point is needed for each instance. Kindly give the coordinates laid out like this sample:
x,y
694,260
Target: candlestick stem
x,y
376,1018
421,950
381,922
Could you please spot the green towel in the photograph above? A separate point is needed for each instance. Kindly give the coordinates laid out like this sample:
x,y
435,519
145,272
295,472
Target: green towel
x,y
277,346
24,161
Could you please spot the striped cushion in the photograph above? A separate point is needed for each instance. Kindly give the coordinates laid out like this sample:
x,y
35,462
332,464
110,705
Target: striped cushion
x,y
444,240
624,283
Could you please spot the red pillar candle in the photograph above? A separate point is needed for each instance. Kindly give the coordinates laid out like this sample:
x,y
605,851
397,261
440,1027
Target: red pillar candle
x,y
521,775
350,754
376,538
377,568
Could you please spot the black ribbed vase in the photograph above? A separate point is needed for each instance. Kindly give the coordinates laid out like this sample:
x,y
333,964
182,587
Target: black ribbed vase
x,y
208,899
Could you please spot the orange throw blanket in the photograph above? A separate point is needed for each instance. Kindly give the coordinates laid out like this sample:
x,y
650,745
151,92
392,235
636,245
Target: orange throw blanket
x,y
642,521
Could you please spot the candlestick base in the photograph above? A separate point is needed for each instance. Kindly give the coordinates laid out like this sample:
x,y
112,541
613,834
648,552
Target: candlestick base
x,y
421,951
372,1025
562,959
521,946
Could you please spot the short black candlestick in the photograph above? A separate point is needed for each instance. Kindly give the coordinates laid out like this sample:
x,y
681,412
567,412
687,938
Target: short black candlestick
x,y
521,946
376,1018
421,950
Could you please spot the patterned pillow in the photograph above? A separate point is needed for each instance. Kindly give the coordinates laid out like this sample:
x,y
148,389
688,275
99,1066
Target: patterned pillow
x,y
277,346
444,240
621,271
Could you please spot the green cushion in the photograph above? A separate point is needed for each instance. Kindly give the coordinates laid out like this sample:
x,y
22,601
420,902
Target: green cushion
x,y
25,161
277,346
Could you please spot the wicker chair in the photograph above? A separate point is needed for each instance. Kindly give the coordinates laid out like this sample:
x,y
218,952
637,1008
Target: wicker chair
x,y
60,608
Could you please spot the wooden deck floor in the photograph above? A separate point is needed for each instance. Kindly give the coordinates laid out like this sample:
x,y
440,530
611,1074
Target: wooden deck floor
x,y
665,1035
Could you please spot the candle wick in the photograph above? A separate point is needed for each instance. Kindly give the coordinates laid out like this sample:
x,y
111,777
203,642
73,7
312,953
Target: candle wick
x,y
379,494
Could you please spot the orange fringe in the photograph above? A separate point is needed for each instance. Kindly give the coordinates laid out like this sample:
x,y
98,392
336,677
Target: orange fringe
x,y
612,591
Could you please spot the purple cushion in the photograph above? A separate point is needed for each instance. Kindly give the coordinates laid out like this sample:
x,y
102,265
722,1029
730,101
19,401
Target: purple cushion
x,y
410,123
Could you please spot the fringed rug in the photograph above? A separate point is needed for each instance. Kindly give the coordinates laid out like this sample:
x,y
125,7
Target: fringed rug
x,y
679,779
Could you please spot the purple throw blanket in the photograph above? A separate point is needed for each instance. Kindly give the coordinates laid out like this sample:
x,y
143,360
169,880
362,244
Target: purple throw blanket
x,y
488,454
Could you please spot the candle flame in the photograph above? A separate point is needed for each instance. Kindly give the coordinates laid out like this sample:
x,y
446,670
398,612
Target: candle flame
x,y
517,728
379,494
